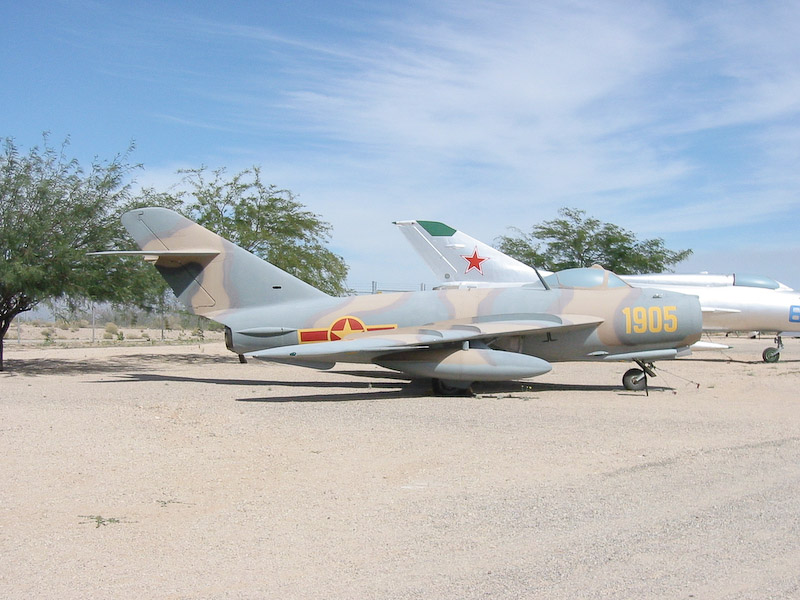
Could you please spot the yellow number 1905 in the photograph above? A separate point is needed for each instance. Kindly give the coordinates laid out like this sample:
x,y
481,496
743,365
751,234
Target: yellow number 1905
x,y
653,319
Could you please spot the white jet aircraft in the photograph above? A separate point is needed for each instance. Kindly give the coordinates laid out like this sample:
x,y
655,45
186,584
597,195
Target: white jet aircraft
x,y
729,302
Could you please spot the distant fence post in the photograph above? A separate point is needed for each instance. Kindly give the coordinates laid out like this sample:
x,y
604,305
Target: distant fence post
x,y
376,287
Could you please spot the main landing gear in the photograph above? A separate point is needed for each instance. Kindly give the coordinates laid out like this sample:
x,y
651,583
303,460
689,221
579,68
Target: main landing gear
x,y
636,379
443,387
773,355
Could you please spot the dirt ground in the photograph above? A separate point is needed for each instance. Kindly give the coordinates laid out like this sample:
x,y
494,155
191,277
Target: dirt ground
x,y
176,472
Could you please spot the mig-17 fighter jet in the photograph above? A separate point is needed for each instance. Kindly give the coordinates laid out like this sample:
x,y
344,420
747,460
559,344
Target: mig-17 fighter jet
x,y
453,336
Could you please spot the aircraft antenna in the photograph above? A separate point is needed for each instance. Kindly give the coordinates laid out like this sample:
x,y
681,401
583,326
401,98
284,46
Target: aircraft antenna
x,y
539,275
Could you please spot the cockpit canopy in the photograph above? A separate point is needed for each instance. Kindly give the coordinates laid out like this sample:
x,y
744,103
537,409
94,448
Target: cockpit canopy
x,y
585,278
758,281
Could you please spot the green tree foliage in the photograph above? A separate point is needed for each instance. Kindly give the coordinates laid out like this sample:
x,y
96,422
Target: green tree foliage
x,y
261,218
52,213
573,240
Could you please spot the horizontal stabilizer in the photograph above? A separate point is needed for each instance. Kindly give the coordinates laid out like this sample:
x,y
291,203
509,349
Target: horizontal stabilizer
x,y
156,253
266,331
162,256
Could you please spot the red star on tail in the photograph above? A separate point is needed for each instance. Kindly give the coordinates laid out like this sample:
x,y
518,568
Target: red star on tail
x,y
474,261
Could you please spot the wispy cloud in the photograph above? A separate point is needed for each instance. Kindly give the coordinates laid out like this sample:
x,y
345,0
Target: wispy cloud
x,y
607,105
575,100
665,117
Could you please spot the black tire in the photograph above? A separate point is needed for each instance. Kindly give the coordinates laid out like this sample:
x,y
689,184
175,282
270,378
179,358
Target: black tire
x,y
634,380
771,355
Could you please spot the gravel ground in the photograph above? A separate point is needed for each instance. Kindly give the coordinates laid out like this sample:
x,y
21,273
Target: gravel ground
x,y
176,472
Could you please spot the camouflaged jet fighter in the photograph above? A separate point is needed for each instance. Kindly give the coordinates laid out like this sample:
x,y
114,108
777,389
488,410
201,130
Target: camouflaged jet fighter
x,y
729,302
454,337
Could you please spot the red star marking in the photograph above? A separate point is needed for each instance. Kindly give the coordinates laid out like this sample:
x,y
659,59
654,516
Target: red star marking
x,y
474,261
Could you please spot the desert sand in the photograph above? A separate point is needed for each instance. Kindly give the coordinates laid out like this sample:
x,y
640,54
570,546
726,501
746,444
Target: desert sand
x,y
176,472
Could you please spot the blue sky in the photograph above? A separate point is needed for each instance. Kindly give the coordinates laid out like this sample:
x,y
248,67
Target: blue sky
x,y
678,120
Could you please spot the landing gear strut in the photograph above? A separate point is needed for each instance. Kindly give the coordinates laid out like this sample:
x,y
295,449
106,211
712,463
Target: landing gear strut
x,y
636,379
773,355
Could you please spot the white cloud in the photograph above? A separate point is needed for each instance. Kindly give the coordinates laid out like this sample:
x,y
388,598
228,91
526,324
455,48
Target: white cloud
x,y
663,117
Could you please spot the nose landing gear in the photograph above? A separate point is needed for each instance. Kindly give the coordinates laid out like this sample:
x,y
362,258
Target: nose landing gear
x,y
773,355
636,379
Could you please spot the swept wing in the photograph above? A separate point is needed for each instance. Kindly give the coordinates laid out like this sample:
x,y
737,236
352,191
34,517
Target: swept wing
x,y
375,343
456,350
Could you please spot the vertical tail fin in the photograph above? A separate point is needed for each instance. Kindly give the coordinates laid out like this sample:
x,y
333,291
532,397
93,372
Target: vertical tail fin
x,y
209,274
455,256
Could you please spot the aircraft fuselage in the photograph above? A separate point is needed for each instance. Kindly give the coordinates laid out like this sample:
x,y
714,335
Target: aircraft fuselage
x,y
632,318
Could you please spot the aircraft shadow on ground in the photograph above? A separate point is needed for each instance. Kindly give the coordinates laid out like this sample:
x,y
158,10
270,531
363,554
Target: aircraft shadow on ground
x,y
375,384
510,387
422,389
402,393
400,387
372,390
588,387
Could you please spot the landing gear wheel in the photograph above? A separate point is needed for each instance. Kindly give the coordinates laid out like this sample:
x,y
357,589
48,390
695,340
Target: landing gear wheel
x,y
634,379
451,388
771,355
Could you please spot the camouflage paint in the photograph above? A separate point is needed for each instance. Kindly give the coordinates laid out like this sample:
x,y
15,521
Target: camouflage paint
x,y
471,330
